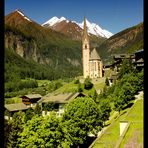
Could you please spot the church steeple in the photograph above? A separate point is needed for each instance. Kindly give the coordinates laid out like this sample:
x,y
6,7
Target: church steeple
x,y
85,51
85,35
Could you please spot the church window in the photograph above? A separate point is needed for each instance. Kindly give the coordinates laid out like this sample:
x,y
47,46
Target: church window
x,y
95,65
85,46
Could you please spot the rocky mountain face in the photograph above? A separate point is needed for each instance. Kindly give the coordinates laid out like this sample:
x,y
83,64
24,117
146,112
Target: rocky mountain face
x,y
33,42
23,48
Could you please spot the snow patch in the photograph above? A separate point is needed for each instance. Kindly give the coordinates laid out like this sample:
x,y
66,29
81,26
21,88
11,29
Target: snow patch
x,y
92,28
54,20
23,15
95,29
20,12
27,19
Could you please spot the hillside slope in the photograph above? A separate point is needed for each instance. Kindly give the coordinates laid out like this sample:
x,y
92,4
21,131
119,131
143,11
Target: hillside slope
x,y
33,42
126,41
58,53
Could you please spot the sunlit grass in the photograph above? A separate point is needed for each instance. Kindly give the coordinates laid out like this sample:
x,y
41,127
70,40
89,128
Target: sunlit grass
x,y
111,135
13,100
70,87
134,135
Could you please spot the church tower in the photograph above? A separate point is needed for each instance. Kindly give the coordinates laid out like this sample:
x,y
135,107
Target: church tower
x,y
85,51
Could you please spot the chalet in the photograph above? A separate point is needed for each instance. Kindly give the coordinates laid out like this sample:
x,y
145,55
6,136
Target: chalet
x,y
139,59
10,109
118,58
59,100
31,99
113,78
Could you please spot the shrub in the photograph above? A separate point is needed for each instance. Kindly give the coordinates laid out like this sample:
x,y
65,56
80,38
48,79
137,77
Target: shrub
x,y
88,84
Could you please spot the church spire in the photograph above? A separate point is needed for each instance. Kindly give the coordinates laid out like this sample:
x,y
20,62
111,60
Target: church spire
x,y
85,35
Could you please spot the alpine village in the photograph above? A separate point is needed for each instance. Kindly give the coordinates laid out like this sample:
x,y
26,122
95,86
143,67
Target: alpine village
x,y
66,87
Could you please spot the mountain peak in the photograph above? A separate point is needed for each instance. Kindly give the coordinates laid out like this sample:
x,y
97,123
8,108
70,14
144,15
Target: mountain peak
x,y
95,29
92,28
22,14
53,21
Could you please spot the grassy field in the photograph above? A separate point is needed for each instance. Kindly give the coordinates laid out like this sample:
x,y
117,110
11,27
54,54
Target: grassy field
x,y
111,135
13,100
70,87
134,134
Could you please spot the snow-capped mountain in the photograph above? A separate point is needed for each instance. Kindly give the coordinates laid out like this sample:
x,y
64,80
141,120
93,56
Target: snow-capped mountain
x,y
92,27
53,21
22,14
95,29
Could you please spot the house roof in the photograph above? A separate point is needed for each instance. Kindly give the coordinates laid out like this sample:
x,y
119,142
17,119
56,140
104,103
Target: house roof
x,y
94,55
140,60
32,96
113,77
141,50
59,98
16,107
124,56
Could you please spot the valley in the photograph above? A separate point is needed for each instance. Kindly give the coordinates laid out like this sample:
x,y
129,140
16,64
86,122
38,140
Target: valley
x,y
50,102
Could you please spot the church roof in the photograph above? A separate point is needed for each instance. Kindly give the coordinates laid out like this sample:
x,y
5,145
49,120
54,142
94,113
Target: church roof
x,y
94,55
85,35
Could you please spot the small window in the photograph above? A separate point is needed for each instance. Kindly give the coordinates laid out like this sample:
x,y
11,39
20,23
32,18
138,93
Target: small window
x,y
85,46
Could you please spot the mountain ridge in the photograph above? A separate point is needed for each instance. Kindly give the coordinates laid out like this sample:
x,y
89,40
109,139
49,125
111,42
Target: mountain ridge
x,y
126,41
92,27
61,54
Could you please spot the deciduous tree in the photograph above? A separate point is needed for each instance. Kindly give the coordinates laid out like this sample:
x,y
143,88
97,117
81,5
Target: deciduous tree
x,y
81,116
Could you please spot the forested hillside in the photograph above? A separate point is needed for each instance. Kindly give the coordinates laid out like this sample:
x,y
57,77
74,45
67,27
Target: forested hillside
x,y
126,41
33,51
47,54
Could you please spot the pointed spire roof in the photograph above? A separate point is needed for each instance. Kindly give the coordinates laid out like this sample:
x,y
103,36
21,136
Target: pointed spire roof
x,y
85,35
94,55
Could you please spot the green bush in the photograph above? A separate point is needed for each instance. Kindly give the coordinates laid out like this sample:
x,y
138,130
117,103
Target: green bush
x,y
88,84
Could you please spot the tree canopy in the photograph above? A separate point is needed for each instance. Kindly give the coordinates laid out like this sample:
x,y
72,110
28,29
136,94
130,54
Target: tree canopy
x,y
81,116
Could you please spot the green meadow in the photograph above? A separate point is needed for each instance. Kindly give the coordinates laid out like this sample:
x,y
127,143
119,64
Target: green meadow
x,y
134,134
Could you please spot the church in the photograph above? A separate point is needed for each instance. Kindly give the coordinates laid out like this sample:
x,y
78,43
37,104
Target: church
x,y
92,63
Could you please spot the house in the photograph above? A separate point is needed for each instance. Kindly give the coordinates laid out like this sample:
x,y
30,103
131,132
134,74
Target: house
x,y
58,101
27,102
139,59
113,78
10,109
118,58
31,99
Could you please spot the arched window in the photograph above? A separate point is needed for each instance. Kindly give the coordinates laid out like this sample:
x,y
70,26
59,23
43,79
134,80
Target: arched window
x,y
85,46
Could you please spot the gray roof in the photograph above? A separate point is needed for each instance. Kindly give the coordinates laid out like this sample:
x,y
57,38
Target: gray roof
x,y
113,75
123,56
32,96
16,107
59,98
141,50
94,55
140,60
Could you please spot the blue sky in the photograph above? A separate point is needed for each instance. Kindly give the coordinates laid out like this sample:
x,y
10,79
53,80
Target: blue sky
x,y
112,15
